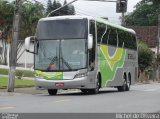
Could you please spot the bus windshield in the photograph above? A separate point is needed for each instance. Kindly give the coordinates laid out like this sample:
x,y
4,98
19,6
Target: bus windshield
x,y
62,29
61,55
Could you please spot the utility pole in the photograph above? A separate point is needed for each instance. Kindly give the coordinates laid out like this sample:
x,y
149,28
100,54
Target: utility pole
x,y
158,43
123,21
13,49
121,7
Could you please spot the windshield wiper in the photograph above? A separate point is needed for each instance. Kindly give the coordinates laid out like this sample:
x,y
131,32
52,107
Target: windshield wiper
x,y
66,63
63,60
52,61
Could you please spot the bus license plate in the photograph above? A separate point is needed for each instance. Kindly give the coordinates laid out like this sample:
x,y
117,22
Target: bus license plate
x,y
59,84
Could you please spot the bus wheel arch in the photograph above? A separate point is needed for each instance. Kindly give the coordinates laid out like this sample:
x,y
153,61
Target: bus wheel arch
x,y
97,86
129,78
52,91
99,79
124,86
128,82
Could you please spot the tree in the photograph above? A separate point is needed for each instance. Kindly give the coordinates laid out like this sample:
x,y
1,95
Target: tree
x,y
144,14
145,59
59,12
145,56
67,10
6,20
30,12
49,6
72,10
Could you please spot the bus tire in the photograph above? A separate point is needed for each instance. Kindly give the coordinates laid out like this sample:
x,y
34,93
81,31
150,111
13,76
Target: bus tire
x,y
84,90
52,91
128,82
96,89
124,86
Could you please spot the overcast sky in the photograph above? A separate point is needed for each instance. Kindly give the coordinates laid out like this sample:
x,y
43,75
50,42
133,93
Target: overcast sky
x,y
94,8
103,9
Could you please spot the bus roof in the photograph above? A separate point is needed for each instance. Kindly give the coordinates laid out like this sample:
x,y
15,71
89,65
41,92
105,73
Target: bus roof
x,y
98,19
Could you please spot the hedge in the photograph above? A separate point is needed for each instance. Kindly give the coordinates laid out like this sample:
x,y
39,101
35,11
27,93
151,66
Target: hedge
x,y
19,73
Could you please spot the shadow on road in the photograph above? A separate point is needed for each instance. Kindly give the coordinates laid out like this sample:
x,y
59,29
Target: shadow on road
x,y
79,93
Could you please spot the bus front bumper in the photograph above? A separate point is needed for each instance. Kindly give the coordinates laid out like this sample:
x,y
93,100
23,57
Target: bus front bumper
x,y
78,83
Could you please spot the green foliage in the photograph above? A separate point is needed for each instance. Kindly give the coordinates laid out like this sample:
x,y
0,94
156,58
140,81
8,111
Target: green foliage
x,y
6,18
19,73
30,14
18,83
4,71
145,56
49,6
67,10
144,14
6,14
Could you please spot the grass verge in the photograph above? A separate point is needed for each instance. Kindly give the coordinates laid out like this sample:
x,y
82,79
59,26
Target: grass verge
x,y
19,83
19,73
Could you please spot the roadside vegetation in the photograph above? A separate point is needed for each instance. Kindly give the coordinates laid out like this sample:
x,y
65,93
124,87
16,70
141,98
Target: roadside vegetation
x,y
148,62
19,83
31,12
144,14
19,73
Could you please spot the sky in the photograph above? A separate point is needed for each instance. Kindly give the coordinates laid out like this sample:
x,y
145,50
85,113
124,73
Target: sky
x,y
102,9
97,8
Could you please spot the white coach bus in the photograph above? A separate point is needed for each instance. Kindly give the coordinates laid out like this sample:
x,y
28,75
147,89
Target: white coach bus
x,y
82,52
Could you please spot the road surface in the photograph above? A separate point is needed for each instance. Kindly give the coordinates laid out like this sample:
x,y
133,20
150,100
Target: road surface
x,y
144,98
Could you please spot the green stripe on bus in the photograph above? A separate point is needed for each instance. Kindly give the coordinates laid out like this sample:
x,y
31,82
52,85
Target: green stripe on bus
x,y
54,76
110,64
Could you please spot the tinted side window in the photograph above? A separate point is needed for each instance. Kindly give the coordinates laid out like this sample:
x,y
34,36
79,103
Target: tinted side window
x,y
100,31
106,35
126,39
113,36
93,50
133,42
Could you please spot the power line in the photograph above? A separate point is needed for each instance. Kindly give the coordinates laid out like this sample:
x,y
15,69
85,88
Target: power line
x,y
61,7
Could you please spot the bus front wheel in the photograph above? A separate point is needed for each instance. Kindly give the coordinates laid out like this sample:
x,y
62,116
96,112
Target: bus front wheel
x,y
96,89
52,91
84,90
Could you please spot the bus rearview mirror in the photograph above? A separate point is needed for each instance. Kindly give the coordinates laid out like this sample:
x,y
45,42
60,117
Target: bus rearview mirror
x,y
27,43
90,41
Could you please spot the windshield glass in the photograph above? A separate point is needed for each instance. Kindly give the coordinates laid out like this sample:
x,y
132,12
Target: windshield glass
x,y
61,55
62,29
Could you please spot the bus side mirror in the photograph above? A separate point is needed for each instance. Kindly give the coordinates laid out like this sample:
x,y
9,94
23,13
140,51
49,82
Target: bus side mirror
x,y
28,43
90,41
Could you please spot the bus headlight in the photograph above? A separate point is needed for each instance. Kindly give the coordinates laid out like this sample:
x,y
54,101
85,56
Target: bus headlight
x,y
79,75
39,76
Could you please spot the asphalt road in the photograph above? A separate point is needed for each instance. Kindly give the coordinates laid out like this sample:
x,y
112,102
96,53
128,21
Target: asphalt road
x,y
140,99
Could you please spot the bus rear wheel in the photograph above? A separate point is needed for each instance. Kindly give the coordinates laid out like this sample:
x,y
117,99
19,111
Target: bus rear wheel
x,y
125,86
52,91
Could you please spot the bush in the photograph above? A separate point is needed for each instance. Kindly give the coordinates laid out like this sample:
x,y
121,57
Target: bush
x,y
145,56
19,73
27,73
4,71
